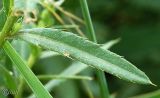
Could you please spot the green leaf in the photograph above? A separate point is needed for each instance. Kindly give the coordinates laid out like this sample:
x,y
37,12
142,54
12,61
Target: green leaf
x,y
73,69
46,54
8,78
26,72
85,51
70,71
76,66
110,44
48,77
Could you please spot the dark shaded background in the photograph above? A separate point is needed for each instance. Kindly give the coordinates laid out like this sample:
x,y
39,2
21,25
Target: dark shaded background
x,y
137,23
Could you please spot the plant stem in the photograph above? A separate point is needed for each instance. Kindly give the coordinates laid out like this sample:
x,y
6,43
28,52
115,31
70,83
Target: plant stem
x,y
89,92
7,26
48,77
91,34
26,72
52,11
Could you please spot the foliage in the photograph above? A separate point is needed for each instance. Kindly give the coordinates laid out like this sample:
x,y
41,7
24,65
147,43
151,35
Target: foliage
x,y
39,52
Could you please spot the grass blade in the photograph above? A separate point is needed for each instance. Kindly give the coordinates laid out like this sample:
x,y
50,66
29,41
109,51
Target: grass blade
x,y
91,33
70,71
71,45
110,43
49,77
25,71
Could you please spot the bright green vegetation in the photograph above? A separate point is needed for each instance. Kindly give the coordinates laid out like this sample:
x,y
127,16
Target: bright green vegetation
x,y
28,37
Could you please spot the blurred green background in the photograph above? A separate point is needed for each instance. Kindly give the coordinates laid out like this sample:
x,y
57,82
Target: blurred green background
x,y
136,23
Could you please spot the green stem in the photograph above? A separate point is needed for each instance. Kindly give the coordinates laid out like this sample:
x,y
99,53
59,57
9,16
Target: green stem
x,y
48,77
88,21
89,92
92,36
7,27
26,72
20,64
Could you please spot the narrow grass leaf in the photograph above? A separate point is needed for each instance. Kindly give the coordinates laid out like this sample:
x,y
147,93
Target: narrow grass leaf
x,y
71,45
26,72
49,77
73,69
110,43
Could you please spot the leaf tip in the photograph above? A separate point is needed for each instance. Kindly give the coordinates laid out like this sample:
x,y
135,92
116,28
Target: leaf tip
x,y
153,84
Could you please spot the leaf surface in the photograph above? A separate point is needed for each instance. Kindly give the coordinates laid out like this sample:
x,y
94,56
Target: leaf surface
x,y
71,45
8,78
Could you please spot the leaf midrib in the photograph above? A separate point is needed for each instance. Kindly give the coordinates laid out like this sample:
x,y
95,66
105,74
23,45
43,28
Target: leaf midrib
x,y
46,38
